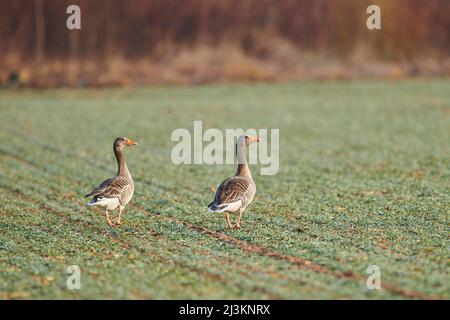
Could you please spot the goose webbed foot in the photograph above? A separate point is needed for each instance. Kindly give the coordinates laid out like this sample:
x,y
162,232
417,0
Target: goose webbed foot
x,y
116,221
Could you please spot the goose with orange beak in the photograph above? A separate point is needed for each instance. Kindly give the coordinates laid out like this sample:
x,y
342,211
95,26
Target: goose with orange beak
x,y
115,192
236,193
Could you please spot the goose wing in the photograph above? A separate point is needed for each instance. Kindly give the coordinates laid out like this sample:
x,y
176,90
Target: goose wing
x,y
111,188
233,191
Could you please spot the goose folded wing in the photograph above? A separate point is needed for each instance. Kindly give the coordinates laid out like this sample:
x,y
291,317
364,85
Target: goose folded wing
x,y
110,188
232,190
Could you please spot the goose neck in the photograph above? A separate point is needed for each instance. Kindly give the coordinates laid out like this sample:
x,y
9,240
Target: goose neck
x,y
122,168
242,169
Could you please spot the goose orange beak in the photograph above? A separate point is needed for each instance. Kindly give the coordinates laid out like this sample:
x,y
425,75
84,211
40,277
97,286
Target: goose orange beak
x,y
131,143
253,139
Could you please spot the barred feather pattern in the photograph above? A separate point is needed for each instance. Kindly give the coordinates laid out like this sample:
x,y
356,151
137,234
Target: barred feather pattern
x,y
237,188
116,187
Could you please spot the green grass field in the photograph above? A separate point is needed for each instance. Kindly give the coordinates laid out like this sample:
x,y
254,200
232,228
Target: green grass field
x,y
363,180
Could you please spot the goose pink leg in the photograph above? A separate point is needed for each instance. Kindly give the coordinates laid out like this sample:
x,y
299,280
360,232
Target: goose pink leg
x,y
117,221
228,219
238,223
108,220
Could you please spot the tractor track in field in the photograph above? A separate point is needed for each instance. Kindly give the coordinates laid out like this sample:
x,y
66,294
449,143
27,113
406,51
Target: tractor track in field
x,y
16,158
297,261
242,244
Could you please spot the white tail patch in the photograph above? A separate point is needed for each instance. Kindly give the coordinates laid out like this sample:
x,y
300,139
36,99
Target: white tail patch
x,y
109,203
229,207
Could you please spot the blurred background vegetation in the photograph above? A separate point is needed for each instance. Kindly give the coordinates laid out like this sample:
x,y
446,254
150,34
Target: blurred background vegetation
x,y
197,41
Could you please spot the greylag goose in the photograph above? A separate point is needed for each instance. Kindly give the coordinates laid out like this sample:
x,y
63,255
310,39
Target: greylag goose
x,y
236,193
115,192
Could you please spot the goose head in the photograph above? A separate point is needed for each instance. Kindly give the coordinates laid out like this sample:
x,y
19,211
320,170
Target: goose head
x,y
241,144
121,142
247,140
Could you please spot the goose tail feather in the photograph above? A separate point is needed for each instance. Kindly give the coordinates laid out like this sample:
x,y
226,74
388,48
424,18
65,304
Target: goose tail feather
x,y
213,207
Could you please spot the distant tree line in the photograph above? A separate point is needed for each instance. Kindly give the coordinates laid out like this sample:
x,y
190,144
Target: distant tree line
x,y
36,29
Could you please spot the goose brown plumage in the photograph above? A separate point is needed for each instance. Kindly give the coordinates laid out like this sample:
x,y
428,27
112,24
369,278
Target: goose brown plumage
x,y
115,192
236,193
